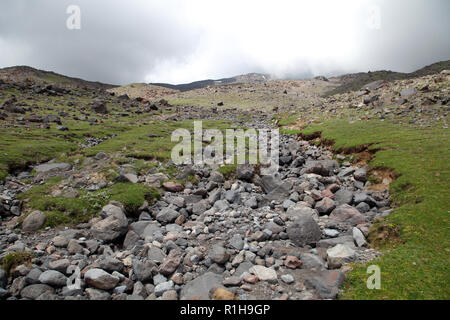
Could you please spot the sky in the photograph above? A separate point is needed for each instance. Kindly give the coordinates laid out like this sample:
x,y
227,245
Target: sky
x,y
180,41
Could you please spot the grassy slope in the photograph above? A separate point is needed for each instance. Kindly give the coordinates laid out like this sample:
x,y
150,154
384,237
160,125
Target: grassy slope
x,y
418,267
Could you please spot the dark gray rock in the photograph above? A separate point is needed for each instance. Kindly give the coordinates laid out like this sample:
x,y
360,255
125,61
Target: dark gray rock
x,y
199,288
218,254
53,278
111,264
327,283
245,172
303,231
343,196
35,290
144,270
237,242
167,215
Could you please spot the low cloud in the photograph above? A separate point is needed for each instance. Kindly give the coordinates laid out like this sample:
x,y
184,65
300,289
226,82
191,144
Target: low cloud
x,y
182,41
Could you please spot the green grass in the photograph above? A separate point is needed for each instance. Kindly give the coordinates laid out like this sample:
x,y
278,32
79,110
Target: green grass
x,y
416,266
14,259
136,143
228,170
132,196
63,211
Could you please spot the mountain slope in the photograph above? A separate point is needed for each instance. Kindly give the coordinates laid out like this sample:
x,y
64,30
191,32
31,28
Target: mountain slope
x,y
247,78
354,82
24,73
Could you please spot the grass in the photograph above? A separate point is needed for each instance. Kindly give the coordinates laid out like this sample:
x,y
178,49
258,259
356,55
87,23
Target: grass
x,y
228,170
132,196
415,265
63,211
14,259
136,143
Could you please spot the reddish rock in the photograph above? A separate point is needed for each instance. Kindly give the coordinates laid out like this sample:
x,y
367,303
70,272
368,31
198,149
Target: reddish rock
x,y
292,262
316,195
333,187
325,206
171,263
180,220
249,278
348,214
327,194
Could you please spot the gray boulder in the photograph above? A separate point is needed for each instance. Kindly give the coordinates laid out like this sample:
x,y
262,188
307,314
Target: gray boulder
x,y
167,215
303,231
100,279
113,226
199,288
33,291
53,278
34,221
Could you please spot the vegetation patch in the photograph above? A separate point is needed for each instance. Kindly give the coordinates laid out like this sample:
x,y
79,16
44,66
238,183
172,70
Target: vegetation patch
x,y
416,236
132,196
15,259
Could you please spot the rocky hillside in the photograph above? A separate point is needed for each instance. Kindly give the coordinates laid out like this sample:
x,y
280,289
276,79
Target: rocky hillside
x,y
24,73
142,90
353,82
93,208
247,78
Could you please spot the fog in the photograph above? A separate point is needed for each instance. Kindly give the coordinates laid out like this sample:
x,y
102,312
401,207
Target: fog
x,y
180,41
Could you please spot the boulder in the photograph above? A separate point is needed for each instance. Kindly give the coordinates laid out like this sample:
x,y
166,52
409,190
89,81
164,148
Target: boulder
x,y
33,291
303,231
53,278
113,226
339,255
219,254
245,172
327,283
100,279
359,237
34,221
199,288
325,206
173,186
347,214
167,215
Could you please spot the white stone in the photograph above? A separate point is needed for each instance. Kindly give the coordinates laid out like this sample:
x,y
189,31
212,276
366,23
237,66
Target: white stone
x,y
264,274
340,254
359,238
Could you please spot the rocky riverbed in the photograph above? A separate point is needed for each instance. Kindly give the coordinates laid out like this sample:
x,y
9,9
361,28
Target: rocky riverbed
x,y
288,235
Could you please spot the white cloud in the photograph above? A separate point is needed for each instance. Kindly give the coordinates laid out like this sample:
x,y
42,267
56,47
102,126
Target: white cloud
x,y
186,40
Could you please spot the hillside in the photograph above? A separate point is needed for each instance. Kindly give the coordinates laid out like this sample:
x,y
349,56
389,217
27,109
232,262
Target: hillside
x,y
89,179
24,73
142,90
355,81
247,78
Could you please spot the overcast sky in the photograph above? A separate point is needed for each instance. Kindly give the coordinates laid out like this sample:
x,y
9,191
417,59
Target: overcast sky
x,y
181,41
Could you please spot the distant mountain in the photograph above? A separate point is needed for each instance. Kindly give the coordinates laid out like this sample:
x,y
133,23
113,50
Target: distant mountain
x,y
142,90
355,81
246,78
24,73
